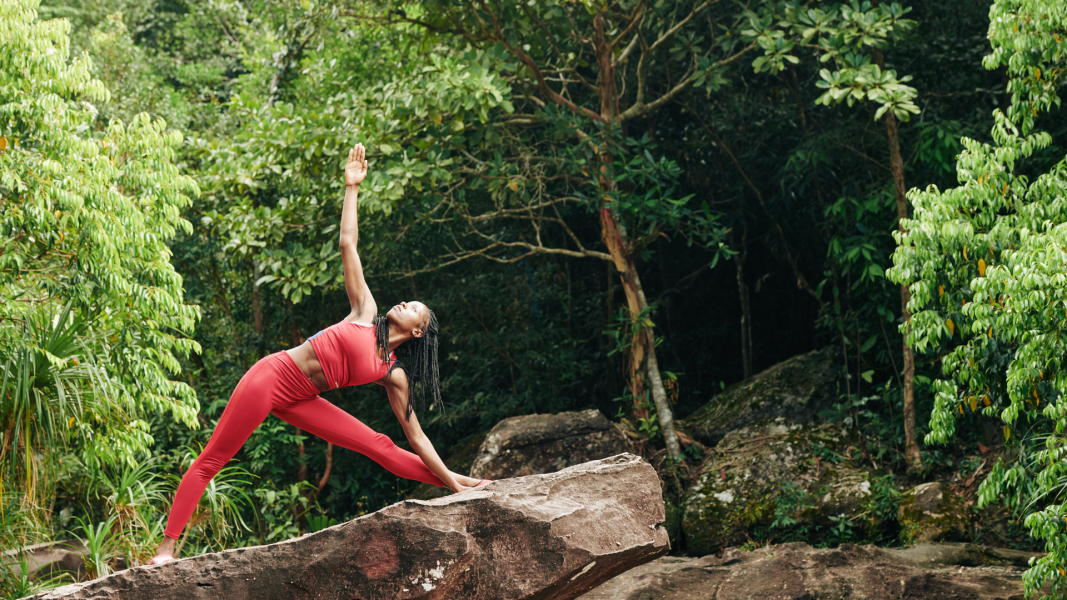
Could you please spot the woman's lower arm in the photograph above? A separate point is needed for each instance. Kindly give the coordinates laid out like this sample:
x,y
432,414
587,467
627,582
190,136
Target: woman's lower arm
x,y
349,218
422,446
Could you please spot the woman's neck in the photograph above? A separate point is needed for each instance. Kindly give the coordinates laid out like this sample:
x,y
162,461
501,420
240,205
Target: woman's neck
x,y
396,338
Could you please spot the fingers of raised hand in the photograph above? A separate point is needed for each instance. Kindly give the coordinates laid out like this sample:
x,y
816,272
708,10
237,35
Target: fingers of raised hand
x,y
352,155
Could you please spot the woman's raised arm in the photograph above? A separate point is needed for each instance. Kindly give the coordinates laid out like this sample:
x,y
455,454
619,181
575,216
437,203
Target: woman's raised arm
x,y
359,296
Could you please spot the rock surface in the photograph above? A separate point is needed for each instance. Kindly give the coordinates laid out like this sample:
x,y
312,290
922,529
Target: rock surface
x,y
547,536
51,558
528,445
762,467
932,512
796,389
800,572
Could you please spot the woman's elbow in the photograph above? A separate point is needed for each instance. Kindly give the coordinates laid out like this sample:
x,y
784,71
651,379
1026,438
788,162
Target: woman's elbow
x,y
416,436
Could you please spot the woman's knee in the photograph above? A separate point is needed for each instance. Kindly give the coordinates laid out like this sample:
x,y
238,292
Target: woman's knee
x,y
207,466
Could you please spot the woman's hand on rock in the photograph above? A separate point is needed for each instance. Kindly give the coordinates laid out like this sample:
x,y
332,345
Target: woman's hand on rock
x,y
356,169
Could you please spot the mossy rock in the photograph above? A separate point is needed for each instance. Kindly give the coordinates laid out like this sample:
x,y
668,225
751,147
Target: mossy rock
x,y
932,512
757,468
797,389
673,522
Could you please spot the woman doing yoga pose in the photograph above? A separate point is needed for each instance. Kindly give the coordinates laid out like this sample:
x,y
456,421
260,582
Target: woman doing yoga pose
x,y
352,352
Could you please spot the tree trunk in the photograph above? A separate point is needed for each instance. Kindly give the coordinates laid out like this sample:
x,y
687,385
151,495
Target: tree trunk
x,y
326,473
896,165
746,311
613,234
295,334
257,309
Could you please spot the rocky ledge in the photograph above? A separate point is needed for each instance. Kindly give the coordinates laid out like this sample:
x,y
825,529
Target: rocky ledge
x,y
800,572
545,536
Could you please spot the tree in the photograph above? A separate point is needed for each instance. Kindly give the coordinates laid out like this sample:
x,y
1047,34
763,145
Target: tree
x,y
858,78
583,76
91,312
985,265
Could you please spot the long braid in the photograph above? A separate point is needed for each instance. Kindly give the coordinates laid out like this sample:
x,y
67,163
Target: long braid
x,y
420,363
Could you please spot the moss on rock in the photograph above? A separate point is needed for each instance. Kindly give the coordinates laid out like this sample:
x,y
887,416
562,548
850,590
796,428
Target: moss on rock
x,y
767,465
932,512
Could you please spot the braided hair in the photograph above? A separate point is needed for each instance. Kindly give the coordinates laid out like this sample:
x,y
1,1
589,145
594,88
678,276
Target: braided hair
x,y
419,362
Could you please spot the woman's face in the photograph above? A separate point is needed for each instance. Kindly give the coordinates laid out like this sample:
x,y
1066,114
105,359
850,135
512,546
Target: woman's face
x,y
409,317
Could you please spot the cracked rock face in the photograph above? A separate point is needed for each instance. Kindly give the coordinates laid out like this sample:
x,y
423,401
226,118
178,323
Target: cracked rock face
x,y
552,536
800,572
533,444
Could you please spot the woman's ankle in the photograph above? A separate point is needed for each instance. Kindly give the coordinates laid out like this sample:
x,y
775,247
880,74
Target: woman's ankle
x,y
167,546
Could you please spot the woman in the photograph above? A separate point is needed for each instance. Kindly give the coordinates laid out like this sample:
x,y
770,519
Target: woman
x,y
356,351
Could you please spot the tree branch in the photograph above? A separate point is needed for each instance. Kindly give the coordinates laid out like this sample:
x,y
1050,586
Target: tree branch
x,y
542,85
673,30
629,29
639,106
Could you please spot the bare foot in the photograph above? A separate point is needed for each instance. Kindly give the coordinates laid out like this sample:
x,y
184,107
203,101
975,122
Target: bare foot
x,y
165,553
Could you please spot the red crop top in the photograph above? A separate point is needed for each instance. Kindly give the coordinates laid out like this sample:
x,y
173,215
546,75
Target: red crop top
x,y
346,351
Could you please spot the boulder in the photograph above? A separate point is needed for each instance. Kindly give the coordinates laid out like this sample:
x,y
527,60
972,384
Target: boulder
x,y
51,559
800,572
796,389
546,536
932,512
770,466
528,445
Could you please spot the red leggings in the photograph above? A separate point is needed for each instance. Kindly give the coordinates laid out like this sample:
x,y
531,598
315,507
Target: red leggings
x,y
276,385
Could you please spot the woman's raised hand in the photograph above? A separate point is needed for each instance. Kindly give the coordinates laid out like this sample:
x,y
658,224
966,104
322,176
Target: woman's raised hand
x,y
356,169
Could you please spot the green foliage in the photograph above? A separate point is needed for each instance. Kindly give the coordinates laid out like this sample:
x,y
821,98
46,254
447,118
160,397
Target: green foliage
x,y
91,311
985,264
470,160
17,579
282,509
100,547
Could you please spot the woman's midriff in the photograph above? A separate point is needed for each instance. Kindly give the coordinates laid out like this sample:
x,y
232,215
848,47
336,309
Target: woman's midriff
x,y
308,363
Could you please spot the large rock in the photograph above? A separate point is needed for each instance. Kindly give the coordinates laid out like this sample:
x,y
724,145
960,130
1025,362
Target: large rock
x,y
528,445
50,559
800,572
768,467
796,389
932,512
547,536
